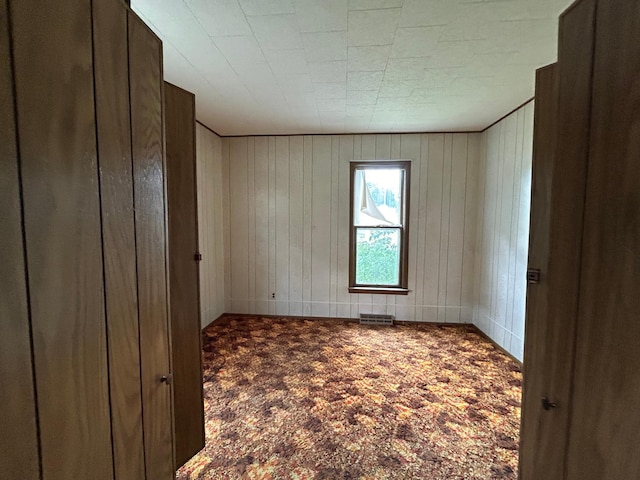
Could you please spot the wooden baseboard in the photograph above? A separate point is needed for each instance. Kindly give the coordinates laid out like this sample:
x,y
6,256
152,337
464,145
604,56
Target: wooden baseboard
x,y
339,319
495,344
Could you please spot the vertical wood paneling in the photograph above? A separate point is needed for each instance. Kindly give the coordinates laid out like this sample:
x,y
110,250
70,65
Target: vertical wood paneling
x,y
405,306
282,202
420,168
296,223
226,198
251,225
272,225
211,224
301,235
63,236
471,227
184,281
238,222
321,226
145,69
261,208
431,272
502,229
333,229
17,403
308,222
344,297
456,228
116,181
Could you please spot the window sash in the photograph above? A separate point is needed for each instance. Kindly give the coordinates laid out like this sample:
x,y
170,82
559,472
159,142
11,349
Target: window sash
x,y
400,231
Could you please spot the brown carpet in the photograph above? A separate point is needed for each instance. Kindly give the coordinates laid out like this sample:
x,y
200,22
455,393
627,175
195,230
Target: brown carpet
x,y
327,399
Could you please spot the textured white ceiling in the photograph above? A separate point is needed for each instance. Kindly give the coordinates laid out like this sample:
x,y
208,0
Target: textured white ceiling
x,y
355,66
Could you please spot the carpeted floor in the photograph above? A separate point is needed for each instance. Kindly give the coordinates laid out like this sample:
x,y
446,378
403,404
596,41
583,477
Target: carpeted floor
x,y
326,399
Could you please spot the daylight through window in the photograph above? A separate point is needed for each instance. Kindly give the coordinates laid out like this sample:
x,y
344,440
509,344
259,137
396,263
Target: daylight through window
x,y
379,213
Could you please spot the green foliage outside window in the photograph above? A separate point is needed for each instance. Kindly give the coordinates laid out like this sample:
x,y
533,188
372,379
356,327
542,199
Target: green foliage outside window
x,y
377,259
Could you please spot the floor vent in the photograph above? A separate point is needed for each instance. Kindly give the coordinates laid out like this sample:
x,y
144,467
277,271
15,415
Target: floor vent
x,y
374,319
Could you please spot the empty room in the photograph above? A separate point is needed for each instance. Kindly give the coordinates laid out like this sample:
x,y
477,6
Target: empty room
x,y
319,239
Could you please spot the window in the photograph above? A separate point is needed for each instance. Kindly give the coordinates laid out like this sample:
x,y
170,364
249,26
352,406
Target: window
x,y
379,227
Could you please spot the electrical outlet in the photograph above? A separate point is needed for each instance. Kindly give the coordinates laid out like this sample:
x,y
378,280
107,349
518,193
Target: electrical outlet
x,y
273,295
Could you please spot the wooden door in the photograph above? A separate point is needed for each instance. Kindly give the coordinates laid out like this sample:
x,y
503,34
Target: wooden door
x,y
542,435
146,84
17,400
605,421
118,231
552,306
184,286
52,48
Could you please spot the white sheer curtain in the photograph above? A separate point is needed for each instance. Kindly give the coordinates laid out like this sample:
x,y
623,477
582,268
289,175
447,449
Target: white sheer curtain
x,y
365,211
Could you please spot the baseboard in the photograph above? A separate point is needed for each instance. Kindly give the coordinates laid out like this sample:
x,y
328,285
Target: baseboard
x,y
495,344
340,319
213,321
355,320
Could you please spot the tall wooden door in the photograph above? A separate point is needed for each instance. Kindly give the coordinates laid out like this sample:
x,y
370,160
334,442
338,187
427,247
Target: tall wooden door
x,y
111,70
605,421
62,233
145,70
543,435
17,400
183,273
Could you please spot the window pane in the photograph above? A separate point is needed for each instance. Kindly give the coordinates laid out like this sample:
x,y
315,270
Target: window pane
x,y
378,256
378,196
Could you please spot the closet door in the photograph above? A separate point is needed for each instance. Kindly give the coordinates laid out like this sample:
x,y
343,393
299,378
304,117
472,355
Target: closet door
x,y
17,401
57,138
542,436
145,71
183,272
114,154
552,305
605,426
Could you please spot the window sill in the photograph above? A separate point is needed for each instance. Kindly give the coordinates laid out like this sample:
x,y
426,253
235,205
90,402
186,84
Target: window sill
x,y
380,290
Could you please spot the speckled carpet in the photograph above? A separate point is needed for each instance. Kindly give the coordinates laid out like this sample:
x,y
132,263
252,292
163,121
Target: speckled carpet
x,y
327,399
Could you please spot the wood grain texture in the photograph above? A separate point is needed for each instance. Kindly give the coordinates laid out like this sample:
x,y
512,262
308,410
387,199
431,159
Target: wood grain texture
x,y
184,285
605,423
111,70
54,79
17,404
145,71
553,375
541,439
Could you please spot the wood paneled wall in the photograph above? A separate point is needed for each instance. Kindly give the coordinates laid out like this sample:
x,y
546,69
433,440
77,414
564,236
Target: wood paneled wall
x,y
287,220
503,229
209,176
58,160
19,438
83,305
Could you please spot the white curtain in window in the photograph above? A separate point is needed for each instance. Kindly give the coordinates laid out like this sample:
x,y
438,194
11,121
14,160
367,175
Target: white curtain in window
x,y
365,213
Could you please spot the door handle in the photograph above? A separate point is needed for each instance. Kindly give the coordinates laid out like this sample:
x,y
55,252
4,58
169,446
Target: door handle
x,y
166,379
